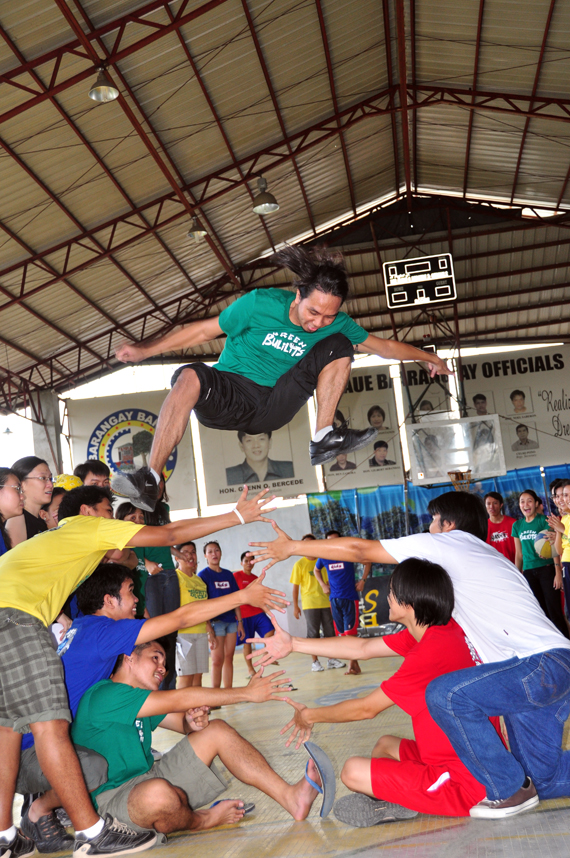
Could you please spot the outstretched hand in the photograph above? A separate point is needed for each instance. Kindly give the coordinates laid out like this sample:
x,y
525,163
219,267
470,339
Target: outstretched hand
x,y
129,352
439,367
276,647
279,549
253,509
263,688
264,597
302,727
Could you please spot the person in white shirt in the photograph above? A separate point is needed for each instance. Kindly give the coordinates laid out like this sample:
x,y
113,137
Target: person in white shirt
x,y
525,674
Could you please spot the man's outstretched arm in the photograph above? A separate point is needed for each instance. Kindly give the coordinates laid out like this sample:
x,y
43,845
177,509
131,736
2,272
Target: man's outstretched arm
x,y
345,548
394,350
182,338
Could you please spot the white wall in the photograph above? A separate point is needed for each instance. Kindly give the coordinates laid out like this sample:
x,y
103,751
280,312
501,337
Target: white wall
x,y
295,521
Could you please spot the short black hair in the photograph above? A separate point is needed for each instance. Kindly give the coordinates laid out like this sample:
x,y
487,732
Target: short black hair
x,y
380,444
106,580
426,587
521,426
211,542
332,533
479,397
315,268
138,650
241,433
82,495
426,402
183,544
373,409
495,496
555,485
244,553
92,466
308,536
23,467
466,511
517,393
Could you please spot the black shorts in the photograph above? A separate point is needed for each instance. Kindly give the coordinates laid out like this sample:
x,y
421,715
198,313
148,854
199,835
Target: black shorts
x,y
231,401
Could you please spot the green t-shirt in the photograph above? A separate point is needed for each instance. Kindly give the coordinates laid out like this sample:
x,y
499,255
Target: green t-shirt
x,y
526,532
263,343
106,721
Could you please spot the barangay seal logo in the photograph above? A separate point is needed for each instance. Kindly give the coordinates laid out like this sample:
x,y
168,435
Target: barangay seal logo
x,y
123,441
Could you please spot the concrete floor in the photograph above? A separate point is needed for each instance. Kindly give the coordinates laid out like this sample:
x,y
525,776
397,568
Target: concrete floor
x,y
269,832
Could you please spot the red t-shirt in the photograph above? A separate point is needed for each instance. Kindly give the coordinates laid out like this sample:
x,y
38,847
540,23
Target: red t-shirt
x,y
442,649
242,580
499,536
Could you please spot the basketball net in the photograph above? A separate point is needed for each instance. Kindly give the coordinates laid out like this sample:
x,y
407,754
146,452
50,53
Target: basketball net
x,y
461,480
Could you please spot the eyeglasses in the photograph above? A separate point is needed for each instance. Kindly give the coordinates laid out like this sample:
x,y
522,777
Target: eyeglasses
x,y
18,488
41,479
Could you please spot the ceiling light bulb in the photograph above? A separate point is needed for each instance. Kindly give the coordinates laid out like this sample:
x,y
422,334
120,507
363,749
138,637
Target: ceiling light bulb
x,y
103,90
264,202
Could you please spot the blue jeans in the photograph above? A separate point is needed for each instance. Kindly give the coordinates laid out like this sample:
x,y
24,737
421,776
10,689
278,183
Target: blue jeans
x,y
533,696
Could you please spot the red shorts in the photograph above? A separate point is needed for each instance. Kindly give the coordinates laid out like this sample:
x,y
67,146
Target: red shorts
x,y
428,789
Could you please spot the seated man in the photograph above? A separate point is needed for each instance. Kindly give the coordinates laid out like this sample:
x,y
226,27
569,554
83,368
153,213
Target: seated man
x,y
525,675
424,774
116,718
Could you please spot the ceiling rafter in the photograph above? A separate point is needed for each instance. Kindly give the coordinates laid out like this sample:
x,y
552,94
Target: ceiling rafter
x,y
473,88
142,134
388,52
403,90
534,91
332,87
426,95
277,109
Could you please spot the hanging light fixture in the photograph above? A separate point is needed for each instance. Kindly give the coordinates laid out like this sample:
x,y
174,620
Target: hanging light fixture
x,y
8,431
264,202
196,231
103,90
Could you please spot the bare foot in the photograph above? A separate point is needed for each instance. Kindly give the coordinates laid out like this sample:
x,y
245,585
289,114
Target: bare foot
x,y
226,812
304,794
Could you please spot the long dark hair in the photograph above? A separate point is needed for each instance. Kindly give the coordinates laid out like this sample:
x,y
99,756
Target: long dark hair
x,y
315,268
4,474
25,466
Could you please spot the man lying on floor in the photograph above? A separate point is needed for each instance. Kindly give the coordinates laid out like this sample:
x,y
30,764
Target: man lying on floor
x,y
116,718
424,774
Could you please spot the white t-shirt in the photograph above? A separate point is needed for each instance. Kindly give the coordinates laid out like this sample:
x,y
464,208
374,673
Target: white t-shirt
x,y
494,605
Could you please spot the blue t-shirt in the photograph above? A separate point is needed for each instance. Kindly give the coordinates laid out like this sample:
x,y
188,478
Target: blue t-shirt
x,y
220,583
341,578
89,651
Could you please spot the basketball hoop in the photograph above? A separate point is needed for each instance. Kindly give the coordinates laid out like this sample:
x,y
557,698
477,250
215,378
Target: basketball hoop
x,y
461,480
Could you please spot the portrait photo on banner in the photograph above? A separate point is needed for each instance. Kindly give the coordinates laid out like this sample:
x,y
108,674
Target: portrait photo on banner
x,y
276,460
368,402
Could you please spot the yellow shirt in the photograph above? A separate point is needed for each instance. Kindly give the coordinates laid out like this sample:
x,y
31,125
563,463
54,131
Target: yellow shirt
x,y
39,574
192,590
565,556
312,595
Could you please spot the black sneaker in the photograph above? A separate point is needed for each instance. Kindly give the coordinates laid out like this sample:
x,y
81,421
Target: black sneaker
x,y
47,833
140,488
340,440
63,817
115,839
20,847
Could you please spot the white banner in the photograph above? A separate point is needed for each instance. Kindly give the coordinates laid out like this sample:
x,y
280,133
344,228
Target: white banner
x,y
368,401
278,461
118,430
531,393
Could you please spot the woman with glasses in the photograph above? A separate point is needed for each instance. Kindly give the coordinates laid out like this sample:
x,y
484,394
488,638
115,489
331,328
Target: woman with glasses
x,y
11,504
36,480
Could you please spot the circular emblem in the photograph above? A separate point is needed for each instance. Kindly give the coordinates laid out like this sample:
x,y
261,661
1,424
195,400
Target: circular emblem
x,y
123,441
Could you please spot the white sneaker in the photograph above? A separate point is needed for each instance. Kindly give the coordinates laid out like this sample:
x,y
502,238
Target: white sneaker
x,y
333,663
316,667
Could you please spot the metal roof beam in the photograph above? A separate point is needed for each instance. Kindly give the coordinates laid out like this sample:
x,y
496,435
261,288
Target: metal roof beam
x,y
473,87
537,107
388,51
403,89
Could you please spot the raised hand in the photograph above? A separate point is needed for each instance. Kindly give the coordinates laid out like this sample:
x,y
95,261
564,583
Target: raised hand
x,y
274,552
439,366
264,597
262,688
302,727
555,523
276,647
129,352
253,509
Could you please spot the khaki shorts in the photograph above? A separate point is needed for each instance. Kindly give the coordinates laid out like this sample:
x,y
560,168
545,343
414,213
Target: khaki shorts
x,y
197,659
32,687
182,768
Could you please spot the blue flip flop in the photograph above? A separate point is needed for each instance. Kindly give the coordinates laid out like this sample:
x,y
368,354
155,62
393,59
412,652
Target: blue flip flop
x,y
248,806
328,778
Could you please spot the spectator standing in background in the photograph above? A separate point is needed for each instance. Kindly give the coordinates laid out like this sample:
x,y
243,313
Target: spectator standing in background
x,y
127,512
11,504
220,582
254,619
192,643
37,486
316,605
50,511
500,526
93,472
